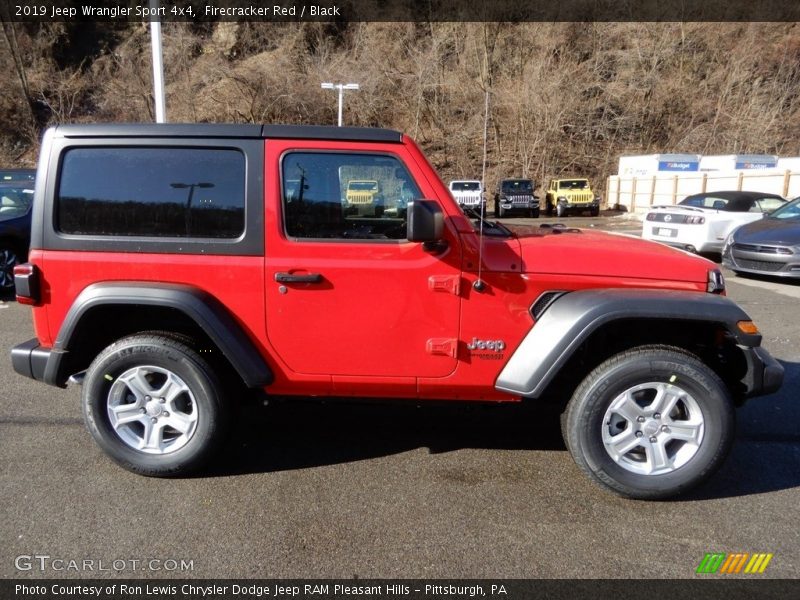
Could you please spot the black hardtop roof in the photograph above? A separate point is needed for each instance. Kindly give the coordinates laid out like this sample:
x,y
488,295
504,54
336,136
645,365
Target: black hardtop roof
x,y
219,130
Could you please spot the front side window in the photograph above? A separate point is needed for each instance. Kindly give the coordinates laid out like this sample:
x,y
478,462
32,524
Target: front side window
x,y
767,205
336,195
152,192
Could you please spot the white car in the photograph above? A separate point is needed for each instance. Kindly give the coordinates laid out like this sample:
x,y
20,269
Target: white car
x,y
468,193
702,222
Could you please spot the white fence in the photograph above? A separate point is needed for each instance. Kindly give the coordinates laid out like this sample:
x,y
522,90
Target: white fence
x,y
637,194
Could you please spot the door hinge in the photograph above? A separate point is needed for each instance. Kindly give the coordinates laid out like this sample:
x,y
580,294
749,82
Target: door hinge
x,y
445,283
442,347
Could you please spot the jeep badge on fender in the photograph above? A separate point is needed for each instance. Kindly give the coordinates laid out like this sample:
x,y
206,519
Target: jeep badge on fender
x,y
171,266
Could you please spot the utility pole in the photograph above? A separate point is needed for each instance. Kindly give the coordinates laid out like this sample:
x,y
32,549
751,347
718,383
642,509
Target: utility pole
x,y
341,87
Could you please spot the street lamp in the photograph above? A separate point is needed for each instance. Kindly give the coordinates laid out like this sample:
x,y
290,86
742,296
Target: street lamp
x,y
341,87
190,186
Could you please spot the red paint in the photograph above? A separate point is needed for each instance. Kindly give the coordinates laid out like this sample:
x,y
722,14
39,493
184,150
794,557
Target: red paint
x,y
388,319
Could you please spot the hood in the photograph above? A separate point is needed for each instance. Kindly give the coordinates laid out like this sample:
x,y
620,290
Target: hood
x,y
780,232
596,253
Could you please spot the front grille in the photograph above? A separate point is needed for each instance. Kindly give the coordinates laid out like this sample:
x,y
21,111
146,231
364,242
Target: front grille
x,y
581,198
762,249
360,198
521,200
759,265
468,200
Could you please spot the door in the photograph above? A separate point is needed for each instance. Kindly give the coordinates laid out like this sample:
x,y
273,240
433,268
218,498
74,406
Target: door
x,y
346,293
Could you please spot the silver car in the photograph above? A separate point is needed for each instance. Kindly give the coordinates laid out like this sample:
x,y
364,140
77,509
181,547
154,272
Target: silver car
x,y
769,246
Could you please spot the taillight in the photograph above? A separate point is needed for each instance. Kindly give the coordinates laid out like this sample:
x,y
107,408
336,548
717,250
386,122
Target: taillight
x,y
695,220
26,282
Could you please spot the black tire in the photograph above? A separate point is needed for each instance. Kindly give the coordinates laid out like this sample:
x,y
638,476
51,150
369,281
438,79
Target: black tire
x,y
594,212
501,212
587,420
8,260
549,208
561,210
534,212
202,401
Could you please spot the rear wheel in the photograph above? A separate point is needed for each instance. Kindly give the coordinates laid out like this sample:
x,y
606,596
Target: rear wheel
x,y
155,406
649,423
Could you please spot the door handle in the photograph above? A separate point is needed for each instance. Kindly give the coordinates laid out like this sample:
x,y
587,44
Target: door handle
x,y
305,278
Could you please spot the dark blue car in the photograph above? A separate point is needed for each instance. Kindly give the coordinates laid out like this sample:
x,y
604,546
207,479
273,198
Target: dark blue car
x,y
16,200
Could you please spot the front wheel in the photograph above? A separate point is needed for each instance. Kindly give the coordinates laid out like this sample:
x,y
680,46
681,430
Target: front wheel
x,y
500,212
652,422
154,405
561,210
594,212
534,213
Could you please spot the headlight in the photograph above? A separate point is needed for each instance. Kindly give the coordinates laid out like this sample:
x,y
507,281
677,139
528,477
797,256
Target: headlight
x,y
727,245
716,282
562,198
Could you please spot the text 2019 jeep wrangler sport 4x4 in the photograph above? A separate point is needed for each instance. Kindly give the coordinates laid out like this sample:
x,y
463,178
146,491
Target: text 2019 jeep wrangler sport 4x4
x,y
171,263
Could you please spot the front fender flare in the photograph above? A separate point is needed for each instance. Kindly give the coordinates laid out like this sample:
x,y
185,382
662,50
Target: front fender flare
x,y
573,317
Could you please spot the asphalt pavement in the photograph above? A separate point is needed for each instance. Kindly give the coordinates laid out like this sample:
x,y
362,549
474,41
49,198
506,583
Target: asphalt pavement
x,y
309,489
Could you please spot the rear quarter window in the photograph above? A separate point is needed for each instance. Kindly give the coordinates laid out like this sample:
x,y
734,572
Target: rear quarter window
x,y
164,192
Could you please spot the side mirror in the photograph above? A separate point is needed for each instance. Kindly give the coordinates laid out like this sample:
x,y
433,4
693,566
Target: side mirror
x,y
425,221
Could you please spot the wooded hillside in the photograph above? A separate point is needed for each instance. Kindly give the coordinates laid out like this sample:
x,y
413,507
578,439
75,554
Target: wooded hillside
x,y
565,99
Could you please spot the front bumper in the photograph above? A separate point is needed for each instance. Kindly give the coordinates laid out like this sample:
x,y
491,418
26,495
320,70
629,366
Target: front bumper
x,y
33,360
774,265
519,205
764,373
581,205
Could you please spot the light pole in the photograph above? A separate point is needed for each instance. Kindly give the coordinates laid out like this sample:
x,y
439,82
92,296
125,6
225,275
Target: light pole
x,y
158,63
341,87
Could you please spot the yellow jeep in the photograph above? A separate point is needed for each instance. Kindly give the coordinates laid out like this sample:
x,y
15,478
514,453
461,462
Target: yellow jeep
x,y
362,191
571,195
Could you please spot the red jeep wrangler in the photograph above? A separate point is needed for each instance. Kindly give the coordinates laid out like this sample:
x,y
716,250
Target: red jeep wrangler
x,y
172,264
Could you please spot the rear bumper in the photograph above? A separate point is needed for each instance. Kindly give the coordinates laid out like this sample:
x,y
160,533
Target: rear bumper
x,y
764,373
33,360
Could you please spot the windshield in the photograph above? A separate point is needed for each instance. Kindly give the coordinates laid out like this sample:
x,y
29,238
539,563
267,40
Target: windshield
x,y
14,201
362,185
521,186
788,211
706,202
573,184
466,186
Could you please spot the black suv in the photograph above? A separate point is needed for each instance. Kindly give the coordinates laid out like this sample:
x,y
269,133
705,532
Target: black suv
x,y
16,196
516,195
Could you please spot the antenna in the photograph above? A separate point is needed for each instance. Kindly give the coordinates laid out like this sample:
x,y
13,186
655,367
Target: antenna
x,y
479,284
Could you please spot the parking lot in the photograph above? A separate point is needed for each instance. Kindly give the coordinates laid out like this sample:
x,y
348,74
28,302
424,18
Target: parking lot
x,y
306,489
